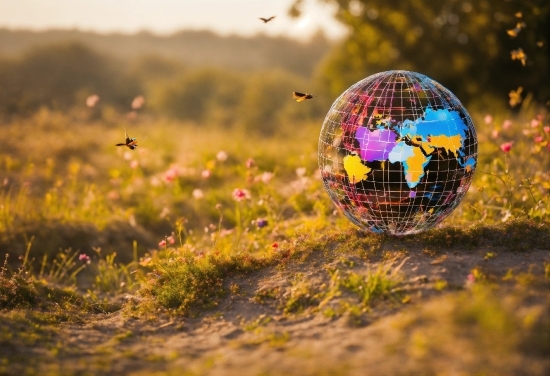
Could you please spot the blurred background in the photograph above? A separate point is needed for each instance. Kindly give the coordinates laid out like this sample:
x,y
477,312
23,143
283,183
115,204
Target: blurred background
x,y
184,77
211,60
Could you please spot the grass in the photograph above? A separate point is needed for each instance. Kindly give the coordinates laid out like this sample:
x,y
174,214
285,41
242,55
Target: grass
x,y
91,229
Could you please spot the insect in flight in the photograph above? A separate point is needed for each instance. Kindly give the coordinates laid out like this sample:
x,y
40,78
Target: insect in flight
x,y
130,143
266,20
300,97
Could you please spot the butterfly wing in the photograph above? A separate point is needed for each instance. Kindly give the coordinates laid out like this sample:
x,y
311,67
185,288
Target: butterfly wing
x,y
300,97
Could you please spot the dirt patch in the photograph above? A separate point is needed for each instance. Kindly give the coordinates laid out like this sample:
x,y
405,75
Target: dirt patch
x,y
443,323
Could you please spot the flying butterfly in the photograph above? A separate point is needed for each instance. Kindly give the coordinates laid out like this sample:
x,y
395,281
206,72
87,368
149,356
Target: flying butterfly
x,y
266,20
300,97
130,143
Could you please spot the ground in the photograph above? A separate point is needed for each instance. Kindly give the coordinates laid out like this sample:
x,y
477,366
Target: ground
x,y
452,310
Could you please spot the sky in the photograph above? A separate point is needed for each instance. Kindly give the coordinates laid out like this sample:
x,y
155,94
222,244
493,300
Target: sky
x,y
167,16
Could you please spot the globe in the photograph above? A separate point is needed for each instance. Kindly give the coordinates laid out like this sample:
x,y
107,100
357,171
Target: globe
x,y
397,152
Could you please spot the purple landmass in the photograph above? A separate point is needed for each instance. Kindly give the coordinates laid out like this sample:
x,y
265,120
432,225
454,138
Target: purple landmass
x,y
375,145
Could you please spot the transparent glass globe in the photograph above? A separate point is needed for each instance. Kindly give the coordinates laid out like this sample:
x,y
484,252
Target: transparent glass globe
x,y
397,152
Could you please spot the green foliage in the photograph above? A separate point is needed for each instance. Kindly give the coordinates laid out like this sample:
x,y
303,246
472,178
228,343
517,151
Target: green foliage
x,y
462,44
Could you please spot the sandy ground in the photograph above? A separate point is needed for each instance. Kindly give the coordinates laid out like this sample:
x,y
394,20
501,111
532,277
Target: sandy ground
x,y
244,336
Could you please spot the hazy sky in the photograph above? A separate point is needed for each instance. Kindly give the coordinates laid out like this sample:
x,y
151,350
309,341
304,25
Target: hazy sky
x,y
167,16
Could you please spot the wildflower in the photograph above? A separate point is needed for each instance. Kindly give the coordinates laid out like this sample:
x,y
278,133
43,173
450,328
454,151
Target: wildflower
x,y
546,129
470,280
92,100
171,240
162,243
155,182
265,177
221,156
261,222
218,206
488,119
138,102
495,133
240,194
300,171
250,163
127,155
84,258
507,124
171,174
539,139
198,194
132,115
134,164
534,123
274,245
506,147
113,195
205,174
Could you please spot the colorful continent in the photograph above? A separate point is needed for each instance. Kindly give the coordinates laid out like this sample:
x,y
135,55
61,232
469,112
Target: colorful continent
x,y
355,169
414,167
375,145
436,129
449,143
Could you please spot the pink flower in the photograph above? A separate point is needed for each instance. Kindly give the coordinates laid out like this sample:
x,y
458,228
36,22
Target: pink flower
x,y
171,174
240,194
546,129
221,156
494,133
134,164
250,163
171,239
274,245
506,147
539,139
92,100
507,124
488,119
205,174
84,258
470,280
113,195
162,243
138,102
265,177
534,123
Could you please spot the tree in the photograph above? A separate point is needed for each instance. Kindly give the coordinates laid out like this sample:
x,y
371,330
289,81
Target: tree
x,y
462,44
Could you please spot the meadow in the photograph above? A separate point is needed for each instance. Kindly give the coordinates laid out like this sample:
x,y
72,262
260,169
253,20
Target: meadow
x,y
215,250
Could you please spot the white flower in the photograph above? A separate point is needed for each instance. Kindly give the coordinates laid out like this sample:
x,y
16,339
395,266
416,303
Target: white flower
x,y
221,156
300,171
198,194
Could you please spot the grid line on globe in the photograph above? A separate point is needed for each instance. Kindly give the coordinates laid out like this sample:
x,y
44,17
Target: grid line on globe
x,y
397,152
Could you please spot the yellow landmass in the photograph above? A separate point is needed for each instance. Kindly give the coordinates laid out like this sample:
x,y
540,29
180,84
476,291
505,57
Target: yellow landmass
x,y
355,169
427,147
450,143
415,166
